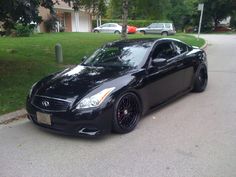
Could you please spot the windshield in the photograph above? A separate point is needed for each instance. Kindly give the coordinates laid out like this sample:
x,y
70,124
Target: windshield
x,y
118,56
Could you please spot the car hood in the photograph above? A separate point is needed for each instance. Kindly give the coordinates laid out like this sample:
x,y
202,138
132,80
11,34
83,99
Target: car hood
x,y
78,81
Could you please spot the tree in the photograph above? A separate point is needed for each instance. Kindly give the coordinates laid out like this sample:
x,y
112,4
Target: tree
x,y
95,7
217,10
26,11
140,9
125,7
21,11
181,12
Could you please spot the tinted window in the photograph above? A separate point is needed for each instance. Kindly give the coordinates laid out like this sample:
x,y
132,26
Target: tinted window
x,y
164,50
180,47
153,25
125,55
159,25
112,25
105,25
168,25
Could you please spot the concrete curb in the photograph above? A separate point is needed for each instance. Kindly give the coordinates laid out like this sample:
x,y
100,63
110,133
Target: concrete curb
x,y
10,117
204,46
20,114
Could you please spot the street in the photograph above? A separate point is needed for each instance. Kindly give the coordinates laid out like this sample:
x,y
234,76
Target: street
x,y
194,136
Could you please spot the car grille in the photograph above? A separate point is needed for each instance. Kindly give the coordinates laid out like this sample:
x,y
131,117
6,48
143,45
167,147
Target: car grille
x,y
50,104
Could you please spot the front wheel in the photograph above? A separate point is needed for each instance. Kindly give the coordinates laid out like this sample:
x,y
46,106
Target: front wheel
x,y
201,79
117,32
127,113
142,32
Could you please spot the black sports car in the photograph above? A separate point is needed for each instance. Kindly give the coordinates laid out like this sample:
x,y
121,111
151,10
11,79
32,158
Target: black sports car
x,y
116,85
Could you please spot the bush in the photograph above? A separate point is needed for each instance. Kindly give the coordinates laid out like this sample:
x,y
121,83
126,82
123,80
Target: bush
x,y
51,23
233,21
23,30
137,23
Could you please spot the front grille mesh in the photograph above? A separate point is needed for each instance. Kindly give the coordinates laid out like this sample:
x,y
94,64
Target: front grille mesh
x,y
50,104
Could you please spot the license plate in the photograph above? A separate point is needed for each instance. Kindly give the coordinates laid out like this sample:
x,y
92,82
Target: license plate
x,y
43,118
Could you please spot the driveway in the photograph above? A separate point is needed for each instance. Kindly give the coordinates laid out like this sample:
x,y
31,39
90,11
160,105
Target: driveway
x,y
194,136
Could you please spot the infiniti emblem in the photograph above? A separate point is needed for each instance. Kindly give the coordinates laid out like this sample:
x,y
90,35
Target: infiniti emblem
x,y
45,103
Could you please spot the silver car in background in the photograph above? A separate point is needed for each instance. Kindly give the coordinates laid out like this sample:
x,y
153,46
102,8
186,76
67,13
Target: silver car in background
x,y
108,28
164,29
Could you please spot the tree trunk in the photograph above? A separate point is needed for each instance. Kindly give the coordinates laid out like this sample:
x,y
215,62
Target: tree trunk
x,y
216,22
124,19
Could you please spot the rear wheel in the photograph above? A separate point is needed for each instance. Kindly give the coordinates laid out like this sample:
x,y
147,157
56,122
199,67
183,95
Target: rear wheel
x,y
96,31
201,79
127,113
164,33
117,32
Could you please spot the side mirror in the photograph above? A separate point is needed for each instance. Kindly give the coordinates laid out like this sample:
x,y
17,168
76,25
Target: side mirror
x,y
159,62
84,58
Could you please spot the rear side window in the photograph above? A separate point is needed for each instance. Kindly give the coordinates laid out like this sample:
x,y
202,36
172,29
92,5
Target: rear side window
x,y
112,25
168,25
164,50
160,25
180,47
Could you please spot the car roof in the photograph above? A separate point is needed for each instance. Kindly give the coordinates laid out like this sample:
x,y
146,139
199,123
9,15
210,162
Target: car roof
x,y
110,23
129,42
146,41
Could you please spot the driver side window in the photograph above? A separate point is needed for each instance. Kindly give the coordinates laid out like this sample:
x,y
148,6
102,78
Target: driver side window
x,y
164,50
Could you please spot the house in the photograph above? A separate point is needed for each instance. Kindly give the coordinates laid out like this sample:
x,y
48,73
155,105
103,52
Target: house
x,y
68,19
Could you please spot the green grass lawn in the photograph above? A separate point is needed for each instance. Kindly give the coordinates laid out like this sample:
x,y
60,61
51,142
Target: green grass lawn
x,y
25,60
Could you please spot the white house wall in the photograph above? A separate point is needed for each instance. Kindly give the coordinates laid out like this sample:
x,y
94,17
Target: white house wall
x,y
75,21
84,22
80,22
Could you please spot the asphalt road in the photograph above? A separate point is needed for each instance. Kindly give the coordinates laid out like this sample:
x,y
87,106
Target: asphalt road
x,y
194,136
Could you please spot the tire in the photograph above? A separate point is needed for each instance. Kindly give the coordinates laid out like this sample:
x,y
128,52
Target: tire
x,y
96,31
117,32
127,113
201,79
165,33
143,32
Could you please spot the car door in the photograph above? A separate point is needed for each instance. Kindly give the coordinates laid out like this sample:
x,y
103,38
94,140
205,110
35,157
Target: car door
x,y
159,28
112,28
164,81
151,28
185,63
104,28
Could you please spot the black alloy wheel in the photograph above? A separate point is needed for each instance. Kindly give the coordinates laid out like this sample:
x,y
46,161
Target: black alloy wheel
x,y
201,80
127,113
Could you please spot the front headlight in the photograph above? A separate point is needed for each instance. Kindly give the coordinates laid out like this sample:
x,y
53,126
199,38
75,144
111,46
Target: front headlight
x,y
95,100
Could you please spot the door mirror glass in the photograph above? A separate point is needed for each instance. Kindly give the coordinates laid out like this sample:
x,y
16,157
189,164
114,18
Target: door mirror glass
x,y
159,62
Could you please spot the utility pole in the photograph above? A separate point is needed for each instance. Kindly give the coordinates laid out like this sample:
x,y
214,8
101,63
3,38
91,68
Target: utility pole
x,y
200,8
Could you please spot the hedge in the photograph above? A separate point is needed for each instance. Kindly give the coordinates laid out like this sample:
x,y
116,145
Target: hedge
x,y
137,23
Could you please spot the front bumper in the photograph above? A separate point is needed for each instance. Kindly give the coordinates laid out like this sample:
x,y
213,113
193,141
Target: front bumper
x,y
92,122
